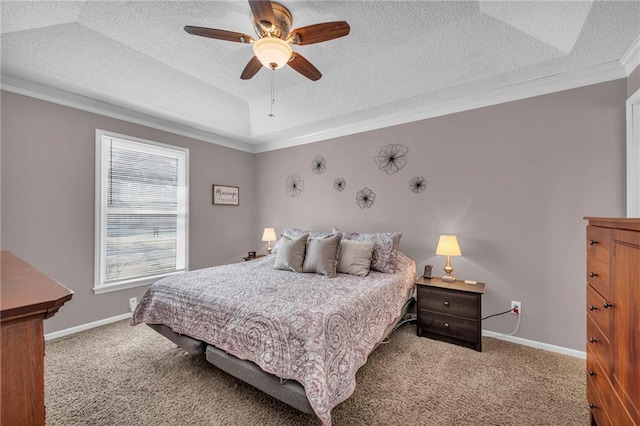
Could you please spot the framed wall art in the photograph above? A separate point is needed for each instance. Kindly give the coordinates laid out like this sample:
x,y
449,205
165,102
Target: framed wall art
x,y
226,195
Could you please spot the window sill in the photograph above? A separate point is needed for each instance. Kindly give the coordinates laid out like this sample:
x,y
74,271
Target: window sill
x,y
108,288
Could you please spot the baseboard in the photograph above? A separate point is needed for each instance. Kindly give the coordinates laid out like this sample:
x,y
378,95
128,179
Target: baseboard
x,y
535,344
83,327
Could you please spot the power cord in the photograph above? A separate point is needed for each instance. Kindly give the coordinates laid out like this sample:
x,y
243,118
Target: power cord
x,y
495,315
506,312
517,326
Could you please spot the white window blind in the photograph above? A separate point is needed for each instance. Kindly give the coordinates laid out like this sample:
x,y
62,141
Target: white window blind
x,y
141,211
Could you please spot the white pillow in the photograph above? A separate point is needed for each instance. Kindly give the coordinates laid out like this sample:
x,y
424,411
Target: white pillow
x,y
321,255
355,257
290,257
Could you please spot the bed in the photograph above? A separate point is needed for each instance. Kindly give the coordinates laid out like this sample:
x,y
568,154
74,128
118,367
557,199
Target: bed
x,y
300,337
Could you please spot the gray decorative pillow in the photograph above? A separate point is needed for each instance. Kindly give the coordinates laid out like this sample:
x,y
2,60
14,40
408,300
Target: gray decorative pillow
x,y
294,233
355,257
290,257
385,251
322,255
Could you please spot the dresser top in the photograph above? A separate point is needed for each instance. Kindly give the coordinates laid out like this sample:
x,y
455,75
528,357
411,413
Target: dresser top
x,y
26,291
632,224
459,285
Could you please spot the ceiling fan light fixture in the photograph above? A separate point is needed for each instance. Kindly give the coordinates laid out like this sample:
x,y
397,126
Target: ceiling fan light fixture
x,y
272,52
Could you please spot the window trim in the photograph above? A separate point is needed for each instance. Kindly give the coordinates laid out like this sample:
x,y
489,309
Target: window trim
x,y
100,231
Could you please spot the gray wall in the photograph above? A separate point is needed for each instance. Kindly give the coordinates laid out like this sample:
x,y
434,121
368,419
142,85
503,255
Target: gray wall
x,y
48,200
512,181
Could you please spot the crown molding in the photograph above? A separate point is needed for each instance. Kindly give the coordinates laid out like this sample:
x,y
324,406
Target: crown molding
x,y
631,58
43,92
557,83
565,81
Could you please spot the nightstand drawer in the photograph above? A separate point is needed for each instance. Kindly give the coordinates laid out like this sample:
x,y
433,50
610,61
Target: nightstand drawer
x,y
447,325
448,302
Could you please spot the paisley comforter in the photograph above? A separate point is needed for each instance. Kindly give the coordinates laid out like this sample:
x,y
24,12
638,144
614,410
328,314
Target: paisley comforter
x,y
310,328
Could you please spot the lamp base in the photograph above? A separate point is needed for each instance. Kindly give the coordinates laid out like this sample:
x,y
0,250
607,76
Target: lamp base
x,y
449,279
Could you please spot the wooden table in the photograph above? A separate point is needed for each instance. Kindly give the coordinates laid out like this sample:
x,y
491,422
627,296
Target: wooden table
x,y
28,298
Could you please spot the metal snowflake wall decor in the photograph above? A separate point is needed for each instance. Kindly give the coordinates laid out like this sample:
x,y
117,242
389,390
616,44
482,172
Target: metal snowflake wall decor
x,y
392,158
339,184
319,165
365,198
418,184
294,185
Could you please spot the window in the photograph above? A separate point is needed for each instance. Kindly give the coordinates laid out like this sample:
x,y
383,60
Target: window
x,y
141,211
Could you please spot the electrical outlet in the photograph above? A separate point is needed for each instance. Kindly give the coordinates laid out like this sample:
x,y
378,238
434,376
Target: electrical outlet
x,y
516,308
133,302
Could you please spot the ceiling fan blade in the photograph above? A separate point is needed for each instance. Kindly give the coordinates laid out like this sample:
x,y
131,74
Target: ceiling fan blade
x,y
251,69
304,67
219,34
263,12
319,32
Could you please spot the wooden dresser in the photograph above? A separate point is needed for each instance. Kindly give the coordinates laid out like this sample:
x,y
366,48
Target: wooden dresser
x,y
28,297
613,321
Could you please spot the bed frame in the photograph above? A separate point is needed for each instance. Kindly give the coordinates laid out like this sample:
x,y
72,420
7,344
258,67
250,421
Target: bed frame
x,y
290,392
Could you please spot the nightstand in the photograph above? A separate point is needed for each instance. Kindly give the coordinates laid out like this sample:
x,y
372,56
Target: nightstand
x,y
451,312
246,258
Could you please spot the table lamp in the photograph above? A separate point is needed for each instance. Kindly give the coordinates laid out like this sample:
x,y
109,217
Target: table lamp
x,y
269,235
448,246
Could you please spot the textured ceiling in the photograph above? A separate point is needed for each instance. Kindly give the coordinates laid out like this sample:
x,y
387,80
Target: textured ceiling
x,y
398,57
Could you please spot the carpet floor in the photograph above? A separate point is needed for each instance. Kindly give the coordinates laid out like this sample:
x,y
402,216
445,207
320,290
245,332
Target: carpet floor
x,y
123,375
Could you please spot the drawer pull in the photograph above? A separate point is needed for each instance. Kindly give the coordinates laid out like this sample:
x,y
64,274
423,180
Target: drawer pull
x,y
592,308
446,324
592,373
446,303
593,340
593,242
592,406
593,275
607,305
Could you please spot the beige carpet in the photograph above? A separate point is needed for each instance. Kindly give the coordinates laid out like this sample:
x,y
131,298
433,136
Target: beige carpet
x,y
123,375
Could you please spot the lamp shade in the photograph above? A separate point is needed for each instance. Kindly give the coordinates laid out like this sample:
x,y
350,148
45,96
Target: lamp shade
x,y
272,52
269,234
448,246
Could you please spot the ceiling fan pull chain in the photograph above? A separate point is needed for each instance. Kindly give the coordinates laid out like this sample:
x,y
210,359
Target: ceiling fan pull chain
x,y
273,95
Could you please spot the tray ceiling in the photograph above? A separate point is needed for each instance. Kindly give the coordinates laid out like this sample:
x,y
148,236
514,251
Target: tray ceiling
x,y
399,57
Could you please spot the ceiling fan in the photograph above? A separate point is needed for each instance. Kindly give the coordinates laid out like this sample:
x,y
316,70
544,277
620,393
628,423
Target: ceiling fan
x,y
272,49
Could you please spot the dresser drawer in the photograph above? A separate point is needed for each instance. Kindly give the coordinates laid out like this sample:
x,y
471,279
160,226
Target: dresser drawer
x,y
447,325
598,346
608,399
598,312
598,242
596,377
448,302
596,408
598,276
